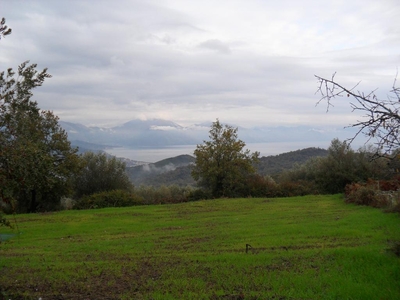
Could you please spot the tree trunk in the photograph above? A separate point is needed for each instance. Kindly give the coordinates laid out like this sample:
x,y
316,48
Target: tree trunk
x,y
32,208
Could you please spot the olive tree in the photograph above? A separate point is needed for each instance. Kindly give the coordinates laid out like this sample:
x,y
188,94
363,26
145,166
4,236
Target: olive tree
x,y
222,164
36,158
101,173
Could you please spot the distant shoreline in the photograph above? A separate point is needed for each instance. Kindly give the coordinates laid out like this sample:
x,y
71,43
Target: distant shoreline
x,y
152,155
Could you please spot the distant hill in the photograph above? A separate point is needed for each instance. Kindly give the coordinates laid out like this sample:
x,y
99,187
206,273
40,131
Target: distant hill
x,y
167,171
273,165
177,170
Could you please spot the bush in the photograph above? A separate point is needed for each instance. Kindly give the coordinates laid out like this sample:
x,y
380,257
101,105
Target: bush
x,y
297,188
67,203
258,186
163,194
395,208
4,221
199,194
366,195
100,173
115,198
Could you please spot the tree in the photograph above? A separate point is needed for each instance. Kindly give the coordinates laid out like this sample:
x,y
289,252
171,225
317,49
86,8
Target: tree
x,y
342,166
382,119
101,173
36,158
4,30
221,164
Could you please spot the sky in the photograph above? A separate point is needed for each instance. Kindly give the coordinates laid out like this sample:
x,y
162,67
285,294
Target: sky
x,y
248,62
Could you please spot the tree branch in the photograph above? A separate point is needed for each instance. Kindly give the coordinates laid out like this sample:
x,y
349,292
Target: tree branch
x,y
382,119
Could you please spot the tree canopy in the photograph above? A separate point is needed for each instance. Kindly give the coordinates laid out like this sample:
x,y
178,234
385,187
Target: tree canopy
x,y
36,158
222,164
101,173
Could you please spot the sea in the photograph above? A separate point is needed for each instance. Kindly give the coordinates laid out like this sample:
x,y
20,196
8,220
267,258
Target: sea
x,y
152,155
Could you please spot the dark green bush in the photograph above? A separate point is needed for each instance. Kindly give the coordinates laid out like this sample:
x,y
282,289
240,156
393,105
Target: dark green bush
x,y
297,188
258,186
199,194
163,194
114,198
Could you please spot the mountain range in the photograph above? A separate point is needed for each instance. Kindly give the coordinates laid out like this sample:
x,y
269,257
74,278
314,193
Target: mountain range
x,y
158,133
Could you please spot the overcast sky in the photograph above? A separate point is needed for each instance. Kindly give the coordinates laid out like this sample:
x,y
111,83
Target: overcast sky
x,y
248,62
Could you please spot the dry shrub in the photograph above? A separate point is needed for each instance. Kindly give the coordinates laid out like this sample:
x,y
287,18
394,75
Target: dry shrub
x,y
365,195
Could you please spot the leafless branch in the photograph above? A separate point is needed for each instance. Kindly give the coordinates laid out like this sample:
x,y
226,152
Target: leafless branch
x,y
381,119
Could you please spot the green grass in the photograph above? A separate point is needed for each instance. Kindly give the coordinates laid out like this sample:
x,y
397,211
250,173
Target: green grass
x,y
313,247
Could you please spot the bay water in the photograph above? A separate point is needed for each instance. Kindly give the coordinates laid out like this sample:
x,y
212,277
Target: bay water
x,y
152,155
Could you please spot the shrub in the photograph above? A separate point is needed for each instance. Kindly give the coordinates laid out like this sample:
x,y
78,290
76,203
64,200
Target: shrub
x,y
67,203
199,194
100,173
297,188
115,198
163,194
366,195
395,208
258,186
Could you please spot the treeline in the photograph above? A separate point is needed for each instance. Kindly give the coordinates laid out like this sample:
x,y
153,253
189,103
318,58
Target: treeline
x,y
103,182
341,167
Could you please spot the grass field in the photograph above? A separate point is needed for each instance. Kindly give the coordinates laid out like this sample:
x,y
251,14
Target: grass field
x,y
312,247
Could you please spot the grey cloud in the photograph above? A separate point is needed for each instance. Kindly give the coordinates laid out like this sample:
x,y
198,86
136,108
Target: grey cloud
x,y
215,45
141,58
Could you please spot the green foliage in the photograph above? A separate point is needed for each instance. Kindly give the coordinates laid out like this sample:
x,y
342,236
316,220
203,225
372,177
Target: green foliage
x,y
256,185
4,221
340,167
101,173
276,164
114,198
36,158
163,194
221,163
198,194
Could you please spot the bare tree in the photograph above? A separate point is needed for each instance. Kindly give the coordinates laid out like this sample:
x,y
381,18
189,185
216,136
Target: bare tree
x,y
381,119
4,30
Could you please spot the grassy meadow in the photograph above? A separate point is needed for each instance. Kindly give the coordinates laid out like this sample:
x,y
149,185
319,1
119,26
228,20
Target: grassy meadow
x,y
311,247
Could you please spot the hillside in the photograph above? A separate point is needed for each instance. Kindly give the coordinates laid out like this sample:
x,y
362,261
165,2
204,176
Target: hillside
x,y
168,171
273,165
177,170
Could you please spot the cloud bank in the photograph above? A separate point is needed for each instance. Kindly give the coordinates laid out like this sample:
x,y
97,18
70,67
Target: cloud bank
x,y
245,62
